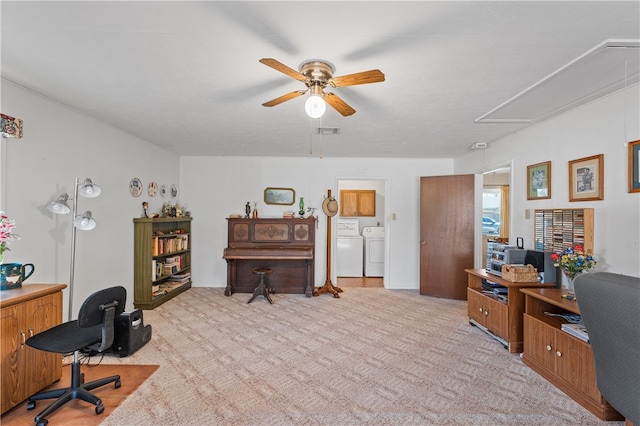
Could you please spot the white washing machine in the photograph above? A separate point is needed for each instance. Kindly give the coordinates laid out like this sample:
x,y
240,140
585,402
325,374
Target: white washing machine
x,y
350,248
373,251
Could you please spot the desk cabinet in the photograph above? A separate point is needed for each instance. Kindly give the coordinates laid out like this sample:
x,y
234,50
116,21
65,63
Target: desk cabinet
x,y
564,360
501,319
488,312
25,312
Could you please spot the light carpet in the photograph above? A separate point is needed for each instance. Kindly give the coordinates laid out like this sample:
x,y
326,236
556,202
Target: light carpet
x,y
371,357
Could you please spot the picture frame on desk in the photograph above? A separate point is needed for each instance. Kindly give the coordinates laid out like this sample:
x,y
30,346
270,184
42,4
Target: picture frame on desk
x,y
634,166
539,181
586,178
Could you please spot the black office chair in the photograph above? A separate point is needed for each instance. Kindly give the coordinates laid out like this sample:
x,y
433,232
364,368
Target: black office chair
x,y
93,330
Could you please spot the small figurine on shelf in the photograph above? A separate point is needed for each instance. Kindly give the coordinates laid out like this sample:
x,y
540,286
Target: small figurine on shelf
x,y
301,212
145,208
255,210
247,210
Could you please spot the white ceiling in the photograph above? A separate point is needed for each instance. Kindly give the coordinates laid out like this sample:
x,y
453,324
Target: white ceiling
x,y
186,76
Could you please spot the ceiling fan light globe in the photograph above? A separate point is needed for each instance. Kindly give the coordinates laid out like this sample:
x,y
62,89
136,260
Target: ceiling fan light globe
x,y
315,106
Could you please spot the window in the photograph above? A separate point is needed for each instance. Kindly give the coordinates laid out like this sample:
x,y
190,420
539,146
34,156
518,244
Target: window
x,y
491,209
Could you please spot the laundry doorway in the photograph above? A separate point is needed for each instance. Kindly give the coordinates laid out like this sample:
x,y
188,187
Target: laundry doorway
x,y
363,202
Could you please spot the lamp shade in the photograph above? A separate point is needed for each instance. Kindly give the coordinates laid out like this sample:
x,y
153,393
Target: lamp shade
x,y
315,106
89,189
84,222
59,206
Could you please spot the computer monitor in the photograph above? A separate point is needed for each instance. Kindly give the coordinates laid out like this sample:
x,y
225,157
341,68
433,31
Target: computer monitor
x,y
541,260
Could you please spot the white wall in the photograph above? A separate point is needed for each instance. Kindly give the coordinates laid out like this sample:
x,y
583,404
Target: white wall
x,y
601,127
59,145
215,187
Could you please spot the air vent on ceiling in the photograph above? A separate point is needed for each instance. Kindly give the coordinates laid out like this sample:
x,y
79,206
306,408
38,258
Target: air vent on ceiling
x,y
606,68
327,131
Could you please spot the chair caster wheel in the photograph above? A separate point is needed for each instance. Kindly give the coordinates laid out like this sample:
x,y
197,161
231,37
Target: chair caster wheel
x,y
99,408
117,384
42,422
31,405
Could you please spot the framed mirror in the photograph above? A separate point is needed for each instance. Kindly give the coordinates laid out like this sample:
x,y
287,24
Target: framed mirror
x,y
280,196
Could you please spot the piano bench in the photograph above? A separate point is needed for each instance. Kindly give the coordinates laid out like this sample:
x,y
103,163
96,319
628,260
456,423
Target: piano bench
x,y
261,289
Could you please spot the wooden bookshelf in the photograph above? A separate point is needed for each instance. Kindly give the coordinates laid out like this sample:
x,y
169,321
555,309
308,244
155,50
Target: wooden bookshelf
x,y
162,260
559,229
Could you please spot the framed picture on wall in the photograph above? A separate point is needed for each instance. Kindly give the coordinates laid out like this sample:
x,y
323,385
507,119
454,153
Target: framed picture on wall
x,y
634,166
539,181
586,178
282,196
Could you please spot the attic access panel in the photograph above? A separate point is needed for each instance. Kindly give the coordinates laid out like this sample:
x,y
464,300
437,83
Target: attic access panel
x,y
606,68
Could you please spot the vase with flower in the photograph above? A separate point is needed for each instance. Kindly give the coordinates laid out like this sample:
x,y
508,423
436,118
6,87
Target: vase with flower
x,y
573,261
6,234
11,274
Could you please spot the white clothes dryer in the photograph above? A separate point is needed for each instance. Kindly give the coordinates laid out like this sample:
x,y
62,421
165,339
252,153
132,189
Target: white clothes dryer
x,y
373,251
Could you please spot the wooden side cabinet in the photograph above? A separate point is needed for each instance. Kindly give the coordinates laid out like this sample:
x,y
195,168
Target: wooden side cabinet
x,y
361,202
24,312
564,360
500,318
159,244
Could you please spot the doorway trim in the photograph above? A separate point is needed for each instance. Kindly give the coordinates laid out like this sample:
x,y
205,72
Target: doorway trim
x,y
477,260
385,223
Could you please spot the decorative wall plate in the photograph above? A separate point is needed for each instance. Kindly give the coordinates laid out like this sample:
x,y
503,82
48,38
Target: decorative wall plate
x,y
135,187
153,189
164,191
174,191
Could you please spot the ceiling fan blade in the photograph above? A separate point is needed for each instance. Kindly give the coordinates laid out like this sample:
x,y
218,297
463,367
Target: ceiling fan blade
x,y
365,77
338,104
279,66
284,98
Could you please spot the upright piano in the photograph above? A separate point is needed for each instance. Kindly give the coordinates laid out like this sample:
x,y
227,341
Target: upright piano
x,y
285,245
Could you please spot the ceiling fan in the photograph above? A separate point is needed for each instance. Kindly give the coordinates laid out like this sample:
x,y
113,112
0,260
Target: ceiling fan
x,y
316,75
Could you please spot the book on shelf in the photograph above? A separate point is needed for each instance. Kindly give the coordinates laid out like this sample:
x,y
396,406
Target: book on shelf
x,y
181,278
181,275
576,330
170,268
179,259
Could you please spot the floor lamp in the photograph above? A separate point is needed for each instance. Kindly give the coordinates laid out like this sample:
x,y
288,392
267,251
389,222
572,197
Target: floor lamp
x,y
84,222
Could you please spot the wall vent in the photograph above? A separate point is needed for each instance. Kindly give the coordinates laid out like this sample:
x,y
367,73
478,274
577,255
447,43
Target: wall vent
x,y
327,131
479,145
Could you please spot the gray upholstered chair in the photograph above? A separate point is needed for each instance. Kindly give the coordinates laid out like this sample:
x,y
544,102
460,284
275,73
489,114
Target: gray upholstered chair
x,y
610,308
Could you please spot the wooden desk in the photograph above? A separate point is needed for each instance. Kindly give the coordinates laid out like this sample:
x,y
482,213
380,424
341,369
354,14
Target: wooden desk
x,y
25,312
501,319
287,246
564,360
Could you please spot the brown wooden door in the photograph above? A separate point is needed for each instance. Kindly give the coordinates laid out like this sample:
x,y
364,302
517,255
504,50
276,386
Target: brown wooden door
x,y
447,224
